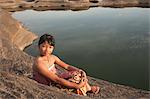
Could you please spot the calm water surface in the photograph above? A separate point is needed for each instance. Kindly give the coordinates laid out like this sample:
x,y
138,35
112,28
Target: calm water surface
x,y
110,44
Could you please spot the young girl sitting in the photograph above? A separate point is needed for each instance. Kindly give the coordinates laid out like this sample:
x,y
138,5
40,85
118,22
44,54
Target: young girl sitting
x,y
45,71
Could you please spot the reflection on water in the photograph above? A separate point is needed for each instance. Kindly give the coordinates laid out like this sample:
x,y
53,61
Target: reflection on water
x,y
110,44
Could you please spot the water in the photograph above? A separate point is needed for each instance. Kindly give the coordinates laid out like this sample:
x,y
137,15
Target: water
x,y
108,43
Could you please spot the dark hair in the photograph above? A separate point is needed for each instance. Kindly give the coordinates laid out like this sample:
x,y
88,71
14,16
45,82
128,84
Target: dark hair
x,y
47,37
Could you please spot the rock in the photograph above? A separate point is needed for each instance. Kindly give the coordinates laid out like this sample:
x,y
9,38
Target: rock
x,y
15,5
13,31
7,1
119,3
21,87
79,6
13,60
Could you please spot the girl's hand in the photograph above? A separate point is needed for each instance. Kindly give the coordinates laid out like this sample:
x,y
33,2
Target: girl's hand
x,y
82,73
82,83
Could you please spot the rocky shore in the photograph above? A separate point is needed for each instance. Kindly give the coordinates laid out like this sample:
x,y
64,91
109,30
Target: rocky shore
x,y
16,66
13,31
15,5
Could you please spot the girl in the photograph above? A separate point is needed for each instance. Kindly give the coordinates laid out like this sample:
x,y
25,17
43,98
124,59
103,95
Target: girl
x,y
44,70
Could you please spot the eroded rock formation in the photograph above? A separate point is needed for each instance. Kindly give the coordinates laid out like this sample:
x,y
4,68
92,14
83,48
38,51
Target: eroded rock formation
x,y
13,31
14,5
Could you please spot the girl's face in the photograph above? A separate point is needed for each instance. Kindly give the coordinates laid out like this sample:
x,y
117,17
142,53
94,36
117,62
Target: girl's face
x,y
45,48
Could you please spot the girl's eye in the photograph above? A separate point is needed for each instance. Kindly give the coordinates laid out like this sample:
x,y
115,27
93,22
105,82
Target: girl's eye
x,y
50,47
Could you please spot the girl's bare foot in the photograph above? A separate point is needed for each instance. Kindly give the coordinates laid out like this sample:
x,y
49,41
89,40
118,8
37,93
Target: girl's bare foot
x,y
95,89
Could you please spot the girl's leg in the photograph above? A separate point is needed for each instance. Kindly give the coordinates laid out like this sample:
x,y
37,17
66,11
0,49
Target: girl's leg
x,y
94,89
65,75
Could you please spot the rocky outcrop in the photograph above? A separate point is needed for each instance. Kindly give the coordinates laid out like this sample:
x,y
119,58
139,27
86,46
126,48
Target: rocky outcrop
x,y
14,5
125,3
13,31
16,71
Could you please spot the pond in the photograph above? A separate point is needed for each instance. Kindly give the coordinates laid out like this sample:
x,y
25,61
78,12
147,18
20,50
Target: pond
x,y
108,43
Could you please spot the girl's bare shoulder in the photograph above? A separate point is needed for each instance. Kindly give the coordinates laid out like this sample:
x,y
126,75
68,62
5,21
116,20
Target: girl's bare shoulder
x,y
38,60
54,56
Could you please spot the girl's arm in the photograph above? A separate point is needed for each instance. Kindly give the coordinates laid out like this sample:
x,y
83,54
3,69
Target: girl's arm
x,y
44,71
64,65
68,67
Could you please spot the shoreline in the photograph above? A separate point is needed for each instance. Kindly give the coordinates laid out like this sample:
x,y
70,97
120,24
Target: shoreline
x,y
41,5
